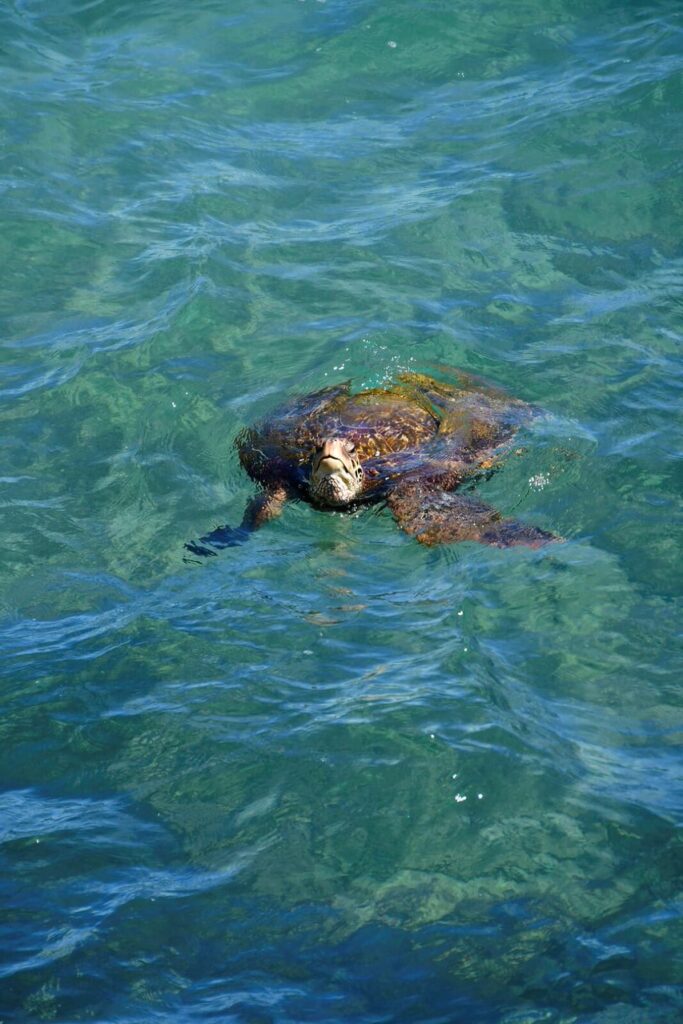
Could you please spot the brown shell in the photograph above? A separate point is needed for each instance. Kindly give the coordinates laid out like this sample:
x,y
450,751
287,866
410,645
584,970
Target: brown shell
x,y
418,428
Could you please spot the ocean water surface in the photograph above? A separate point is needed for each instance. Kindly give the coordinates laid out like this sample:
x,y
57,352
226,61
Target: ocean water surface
x,y
331,775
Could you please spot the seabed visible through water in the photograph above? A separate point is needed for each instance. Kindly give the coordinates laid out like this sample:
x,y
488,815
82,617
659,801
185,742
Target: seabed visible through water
x,y
331,775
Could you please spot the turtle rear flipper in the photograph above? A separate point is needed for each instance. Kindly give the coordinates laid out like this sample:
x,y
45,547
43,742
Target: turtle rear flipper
x,y
442,517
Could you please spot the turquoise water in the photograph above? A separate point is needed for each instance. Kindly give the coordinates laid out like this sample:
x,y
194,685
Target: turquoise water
x,y
235,791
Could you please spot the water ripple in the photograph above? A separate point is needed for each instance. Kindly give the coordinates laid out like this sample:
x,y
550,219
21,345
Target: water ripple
x,y
380,781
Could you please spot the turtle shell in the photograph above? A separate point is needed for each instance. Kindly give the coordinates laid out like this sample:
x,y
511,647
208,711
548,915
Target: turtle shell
x,y
402,429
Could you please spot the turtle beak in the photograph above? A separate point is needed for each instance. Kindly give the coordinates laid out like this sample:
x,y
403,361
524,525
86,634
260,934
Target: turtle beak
x,y
336,474
331,457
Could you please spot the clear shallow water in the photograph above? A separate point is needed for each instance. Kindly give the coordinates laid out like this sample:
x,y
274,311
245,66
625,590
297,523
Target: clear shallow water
x,y
229,791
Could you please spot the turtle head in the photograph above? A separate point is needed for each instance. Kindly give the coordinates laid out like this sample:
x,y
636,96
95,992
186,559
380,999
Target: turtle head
x,y
336,472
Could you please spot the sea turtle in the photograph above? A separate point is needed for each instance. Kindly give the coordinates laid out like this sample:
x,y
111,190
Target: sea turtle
x,y
410,443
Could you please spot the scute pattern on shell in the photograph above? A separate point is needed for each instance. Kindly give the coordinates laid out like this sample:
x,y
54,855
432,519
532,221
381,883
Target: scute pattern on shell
x,y
412,428
417,440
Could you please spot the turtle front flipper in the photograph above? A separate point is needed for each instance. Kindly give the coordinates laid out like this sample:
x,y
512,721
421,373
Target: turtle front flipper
x,y
261,509
442,517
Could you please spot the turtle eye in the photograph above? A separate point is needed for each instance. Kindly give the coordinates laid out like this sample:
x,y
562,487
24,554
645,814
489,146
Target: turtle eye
x,y
350,447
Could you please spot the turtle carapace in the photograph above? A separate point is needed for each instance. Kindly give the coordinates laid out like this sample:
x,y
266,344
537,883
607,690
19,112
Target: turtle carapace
x,y
410,444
